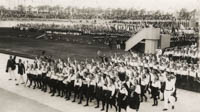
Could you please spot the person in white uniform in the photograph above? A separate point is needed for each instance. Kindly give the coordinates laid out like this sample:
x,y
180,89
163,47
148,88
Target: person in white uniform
x,y
169,90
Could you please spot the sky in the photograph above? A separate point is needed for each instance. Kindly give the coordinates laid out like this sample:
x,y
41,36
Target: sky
x,y
163,5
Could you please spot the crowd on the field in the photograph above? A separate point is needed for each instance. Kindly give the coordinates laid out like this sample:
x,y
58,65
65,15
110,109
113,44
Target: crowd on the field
x,y
120,81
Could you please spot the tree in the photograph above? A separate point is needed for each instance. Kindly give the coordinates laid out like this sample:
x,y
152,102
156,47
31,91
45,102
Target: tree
x,y
184,14
30,8
43,8
2,10
21,8
142,12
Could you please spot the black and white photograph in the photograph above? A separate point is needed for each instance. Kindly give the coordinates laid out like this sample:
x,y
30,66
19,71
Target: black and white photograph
x,y
99,55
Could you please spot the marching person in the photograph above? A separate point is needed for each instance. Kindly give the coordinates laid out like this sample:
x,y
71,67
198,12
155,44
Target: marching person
x,y
34,74
60,85
112,88
39,76
53,82
29,72
169,91
134,97
44,77
110,92
99,89
91,86
105,91
77,86
122,97
144,83
162,82
155,89
84,87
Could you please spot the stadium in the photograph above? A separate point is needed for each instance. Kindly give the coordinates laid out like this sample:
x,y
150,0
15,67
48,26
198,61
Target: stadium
x,y
85,56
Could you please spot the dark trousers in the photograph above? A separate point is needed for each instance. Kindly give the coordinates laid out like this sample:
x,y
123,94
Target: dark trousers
x,y
98,94
76,92
83,92
143,91
155,94
89,94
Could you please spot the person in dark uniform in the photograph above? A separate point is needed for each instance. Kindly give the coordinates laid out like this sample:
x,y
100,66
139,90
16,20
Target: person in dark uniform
x,y
122,97
10,68
21,71
134,97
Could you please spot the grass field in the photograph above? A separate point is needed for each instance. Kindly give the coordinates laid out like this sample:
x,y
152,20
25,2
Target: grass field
x,y
30,47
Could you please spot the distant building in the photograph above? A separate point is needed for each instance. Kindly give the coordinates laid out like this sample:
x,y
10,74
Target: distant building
x,y
195,19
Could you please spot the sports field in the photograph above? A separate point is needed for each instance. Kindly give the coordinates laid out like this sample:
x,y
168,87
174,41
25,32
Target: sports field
x,y
21,99
30,47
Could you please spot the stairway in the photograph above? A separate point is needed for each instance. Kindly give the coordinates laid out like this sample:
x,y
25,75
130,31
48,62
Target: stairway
x,y
146,33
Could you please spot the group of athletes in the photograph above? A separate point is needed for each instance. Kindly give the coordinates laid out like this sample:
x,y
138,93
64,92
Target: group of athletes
x,y
121,82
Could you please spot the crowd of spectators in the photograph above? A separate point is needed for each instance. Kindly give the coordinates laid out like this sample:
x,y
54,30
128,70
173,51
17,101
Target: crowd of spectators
x,y
109,33
125,29
49,12
91,29
187,54
183,40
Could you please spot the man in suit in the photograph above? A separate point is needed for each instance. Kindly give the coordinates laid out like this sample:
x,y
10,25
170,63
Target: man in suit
x,y
10,68
21,71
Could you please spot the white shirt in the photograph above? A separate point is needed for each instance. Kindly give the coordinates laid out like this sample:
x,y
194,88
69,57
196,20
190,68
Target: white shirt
x,y
124,91
193,73
78,82
112,89
170,85
156,84
144,81
138,89
92,82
